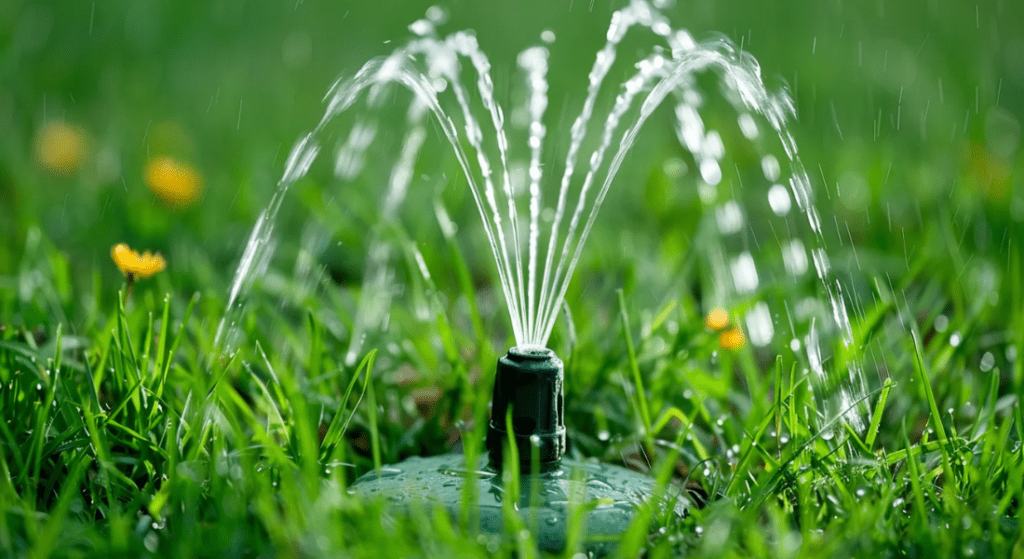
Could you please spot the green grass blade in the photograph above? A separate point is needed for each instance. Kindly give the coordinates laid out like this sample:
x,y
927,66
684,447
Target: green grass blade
x,y
641,398
876,416
936,419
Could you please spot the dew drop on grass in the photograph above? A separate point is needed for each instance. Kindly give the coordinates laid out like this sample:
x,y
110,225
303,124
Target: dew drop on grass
x,y
1011,353
941,323
603,435
955,339
987,362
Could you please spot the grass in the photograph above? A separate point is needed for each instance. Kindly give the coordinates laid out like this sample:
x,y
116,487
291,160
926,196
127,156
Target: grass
x,y
123,431
144,442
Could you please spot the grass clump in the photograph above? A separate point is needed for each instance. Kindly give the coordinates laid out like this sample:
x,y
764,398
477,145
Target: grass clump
x,y
136,438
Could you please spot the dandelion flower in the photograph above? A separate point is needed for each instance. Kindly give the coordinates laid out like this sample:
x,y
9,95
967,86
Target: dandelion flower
x,y
172,180
732,338
60,147
134,265
717,319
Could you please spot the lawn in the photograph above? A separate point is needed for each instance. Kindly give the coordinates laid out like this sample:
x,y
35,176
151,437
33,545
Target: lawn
x,y
142,417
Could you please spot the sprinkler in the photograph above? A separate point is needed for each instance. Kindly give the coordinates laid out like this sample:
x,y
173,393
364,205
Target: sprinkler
x,y
528,396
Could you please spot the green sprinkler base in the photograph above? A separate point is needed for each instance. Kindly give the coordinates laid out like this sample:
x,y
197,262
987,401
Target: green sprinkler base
x,y
604,498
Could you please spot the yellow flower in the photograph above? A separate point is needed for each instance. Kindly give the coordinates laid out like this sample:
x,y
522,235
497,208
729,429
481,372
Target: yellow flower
x,y
135,266
717,319
173,181
732,338
60,147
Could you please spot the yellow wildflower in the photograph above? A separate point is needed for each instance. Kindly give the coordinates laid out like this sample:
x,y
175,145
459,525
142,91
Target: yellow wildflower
x,y
60,147
172,180
135,266
717,319
732,338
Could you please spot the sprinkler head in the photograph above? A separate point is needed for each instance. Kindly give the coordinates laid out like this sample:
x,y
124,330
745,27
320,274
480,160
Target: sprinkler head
x,y
529,381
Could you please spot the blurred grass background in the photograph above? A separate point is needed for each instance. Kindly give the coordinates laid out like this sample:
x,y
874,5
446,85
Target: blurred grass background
x,y
909,109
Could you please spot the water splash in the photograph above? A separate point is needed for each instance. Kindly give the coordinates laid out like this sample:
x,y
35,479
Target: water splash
x,y
537,235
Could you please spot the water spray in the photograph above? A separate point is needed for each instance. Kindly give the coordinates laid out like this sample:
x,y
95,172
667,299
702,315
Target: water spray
x,y
536,256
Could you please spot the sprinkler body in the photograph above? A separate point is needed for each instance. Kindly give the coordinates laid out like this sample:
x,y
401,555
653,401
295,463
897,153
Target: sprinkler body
x,y
528,387
551,489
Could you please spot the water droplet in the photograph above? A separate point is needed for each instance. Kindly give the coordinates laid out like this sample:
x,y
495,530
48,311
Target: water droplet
x,y
778,199
710,171
988,361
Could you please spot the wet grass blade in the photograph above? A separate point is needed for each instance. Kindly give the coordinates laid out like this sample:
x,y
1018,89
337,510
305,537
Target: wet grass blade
x,y
339,424
634,367
876,417
936,419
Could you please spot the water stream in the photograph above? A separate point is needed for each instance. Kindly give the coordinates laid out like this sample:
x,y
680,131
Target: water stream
x,y
763,231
